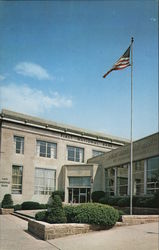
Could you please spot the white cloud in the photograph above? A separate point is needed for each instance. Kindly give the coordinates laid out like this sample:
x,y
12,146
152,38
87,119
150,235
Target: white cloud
x,y
2,78
153,19
32,70
22,98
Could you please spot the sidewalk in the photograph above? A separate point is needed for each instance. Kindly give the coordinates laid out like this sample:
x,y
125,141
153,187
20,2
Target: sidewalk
x,y
14,236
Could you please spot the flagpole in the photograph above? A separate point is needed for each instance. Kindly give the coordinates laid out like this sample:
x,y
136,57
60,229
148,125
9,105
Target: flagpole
x,y
131,129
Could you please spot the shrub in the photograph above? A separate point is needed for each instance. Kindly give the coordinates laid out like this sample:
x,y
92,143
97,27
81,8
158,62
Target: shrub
x,y
124,202
60,193
113,201
70,212
94,213
55,213
96,195
7,201
17,207
156,199
29,205
43,206
103,200
40,216
145,202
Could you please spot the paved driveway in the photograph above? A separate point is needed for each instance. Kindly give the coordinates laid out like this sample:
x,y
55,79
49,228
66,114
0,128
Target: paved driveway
x,y
14,236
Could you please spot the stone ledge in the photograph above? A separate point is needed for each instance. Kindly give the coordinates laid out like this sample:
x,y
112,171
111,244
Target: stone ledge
x,y
4,211
139,219
46,231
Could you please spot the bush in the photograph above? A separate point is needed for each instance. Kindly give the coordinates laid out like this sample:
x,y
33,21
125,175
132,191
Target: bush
x,y
96,195
70,213
17,207
29,205
7,201
103,200
60,193
156,199
43,206
40,216
55,213
124,202
93,213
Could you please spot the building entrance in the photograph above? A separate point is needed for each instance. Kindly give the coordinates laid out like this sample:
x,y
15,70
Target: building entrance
x,y
79,195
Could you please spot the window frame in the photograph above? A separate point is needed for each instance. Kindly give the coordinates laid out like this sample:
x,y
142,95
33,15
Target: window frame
x,y
21,149
21,184
45,144
40,189
74,157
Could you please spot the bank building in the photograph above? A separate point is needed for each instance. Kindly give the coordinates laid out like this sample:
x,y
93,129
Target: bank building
x,y
38,157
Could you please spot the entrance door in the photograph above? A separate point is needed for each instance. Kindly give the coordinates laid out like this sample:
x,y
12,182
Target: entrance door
x,y
79,195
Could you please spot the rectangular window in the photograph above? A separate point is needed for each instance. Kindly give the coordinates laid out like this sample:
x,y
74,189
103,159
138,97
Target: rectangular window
x,y
46,149
17,175
75,154
122,180
19,144
80,181
96,153
110,181
152,175
138,178
45,181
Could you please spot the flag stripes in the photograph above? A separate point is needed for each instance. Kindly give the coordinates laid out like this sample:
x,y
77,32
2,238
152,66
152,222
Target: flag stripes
x,y
122,63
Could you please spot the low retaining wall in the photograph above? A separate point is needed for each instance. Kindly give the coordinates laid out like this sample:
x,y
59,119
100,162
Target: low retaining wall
x,y
46,231
139,219
6,211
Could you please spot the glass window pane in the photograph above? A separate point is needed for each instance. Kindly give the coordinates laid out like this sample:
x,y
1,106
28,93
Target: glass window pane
x,y
45,181
17,179
152,175
75,154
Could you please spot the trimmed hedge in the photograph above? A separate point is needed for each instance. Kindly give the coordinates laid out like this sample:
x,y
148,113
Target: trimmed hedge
x,y
96,195
17,207
60,193
55,213
70,212
40,216
138,201
7,201
92,213
29,205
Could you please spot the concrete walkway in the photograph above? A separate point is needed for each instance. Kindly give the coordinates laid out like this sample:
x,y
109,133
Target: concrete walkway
x,y
136,237
14,236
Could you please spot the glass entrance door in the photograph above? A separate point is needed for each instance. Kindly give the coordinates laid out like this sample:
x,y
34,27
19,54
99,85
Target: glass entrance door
x,y
79,195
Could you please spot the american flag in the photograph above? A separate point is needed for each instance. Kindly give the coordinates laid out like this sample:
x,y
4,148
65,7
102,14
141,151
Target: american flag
x,y
122,63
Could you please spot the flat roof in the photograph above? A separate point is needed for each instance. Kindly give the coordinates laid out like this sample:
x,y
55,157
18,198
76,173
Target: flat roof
x,y
31,120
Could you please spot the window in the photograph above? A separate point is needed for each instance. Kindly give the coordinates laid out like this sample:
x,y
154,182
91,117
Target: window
x,y
138,178
152,175
17,175
75,154
110,181
45,181
80,181
19,144
96,153
46,149
122,180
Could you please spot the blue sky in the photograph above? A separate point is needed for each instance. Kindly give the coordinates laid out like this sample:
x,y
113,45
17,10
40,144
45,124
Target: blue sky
x,y
53,55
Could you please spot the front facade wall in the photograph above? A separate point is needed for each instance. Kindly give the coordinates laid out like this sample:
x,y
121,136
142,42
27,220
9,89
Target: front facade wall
x,y
26,163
